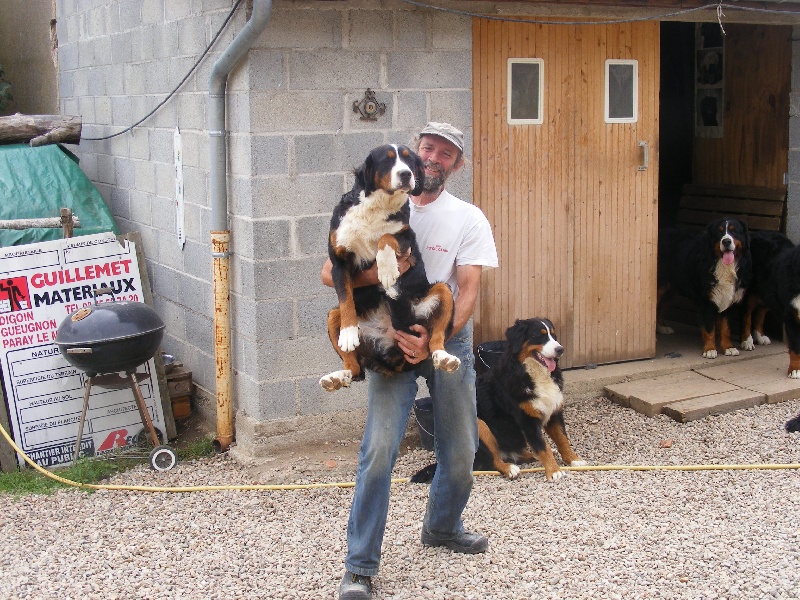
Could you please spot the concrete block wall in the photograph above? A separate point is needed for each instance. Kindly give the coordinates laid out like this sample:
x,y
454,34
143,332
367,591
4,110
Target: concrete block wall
x,y
293,143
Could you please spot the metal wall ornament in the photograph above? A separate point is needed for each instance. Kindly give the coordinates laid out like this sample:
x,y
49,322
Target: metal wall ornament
x,y
369,107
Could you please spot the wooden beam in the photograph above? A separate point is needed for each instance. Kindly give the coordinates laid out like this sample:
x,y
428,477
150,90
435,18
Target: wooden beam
x,y
39,130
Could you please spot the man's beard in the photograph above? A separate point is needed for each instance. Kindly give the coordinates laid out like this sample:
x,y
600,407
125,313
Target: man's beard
x,y
432,183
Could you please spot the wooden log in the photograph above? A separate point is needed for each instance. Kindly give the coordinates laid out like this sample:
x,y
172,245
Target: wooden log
x,y
46,223
39,130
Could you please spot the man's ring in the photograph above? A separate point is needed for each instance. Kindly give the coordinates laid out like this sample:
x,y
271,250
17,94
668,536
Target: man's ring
x,y
414,354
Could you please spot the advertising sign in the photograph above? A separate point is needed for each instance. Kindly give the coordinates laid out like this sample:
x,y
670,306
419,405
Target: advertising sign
x,y
40,285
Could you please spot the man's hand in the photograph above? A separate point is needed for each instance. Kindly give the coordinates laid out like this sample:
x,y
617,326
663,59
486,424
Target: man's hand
x,y
415,347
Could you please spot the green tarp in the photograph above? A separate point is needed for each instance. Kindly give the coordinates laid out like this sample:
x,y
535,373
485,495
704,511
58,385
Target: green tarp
x,y
36,183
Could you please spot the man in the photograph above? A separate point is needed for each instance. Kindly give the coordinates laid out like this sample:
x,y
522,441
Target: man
x,y
456,242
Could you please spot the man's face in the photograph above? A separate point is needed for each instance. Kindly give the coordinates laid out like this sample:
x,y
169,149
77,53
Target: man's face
x,y
440,158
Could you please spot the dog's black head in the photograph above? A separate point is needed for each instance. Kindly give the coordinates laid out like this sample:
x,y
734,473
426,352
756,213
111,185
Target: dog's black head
x,y
534,338
392,168
729,238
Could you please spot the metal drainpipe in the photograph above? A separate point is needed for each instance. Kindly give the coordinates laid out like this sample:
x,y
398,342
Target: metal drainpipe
x,y
220,234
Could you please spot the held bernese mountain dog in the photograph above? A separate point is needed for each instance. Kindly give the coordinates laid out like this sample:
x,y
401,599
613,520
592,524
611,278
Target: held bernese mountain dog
x,y
713,269
370,225
520,400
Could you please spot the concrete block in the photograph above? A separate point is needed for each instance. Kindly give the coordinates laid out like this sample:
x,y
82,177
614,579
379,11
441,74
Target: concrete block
x,y
452,107
195,150
134,75
144,176
152,11
177,11
313,400
451,32
195,222
296,111
714,404
119,203
312,234
269,155
412,110
412,28
266,70
369,29
195,187
163,281
192,111
271,239
432,70
165,189
114,84
334,153
157,77
287,278
191,35
794,134
102,50
130,13
161,146
312,313
198,260
166,116
80,84
334,69
242,275
295,195
125,172
105,169
199,331
285,359
272,320
300,28
140,207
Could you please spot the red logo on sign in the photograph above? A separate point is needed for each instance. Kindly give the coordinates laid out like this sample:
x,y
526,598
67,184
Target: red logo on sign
x,y
115,438
14,294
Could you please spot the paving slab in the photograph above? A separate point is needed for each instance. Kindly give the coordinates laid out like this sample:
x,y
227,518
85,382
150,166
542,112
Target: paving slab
x,y
757,370
649,396
697,408
778,390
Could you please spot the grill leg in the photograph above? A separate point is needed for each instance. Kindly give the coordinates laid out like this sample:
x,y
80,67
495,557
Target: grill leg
x,y
143,409
83,417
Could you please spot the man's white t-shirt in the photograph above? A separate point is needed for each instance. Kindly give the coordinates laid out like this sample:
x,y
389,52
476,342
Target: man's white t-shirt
x,y
452,233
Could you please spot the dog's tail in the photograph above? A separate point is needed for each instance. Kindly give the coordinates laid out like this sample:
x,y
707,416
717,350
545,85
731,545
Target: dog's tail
x,y
792,425
424,475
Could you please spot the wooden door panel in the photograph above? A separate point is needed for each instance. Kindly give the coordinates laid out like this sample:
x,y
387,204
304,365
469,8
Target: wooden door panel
x,y
574,218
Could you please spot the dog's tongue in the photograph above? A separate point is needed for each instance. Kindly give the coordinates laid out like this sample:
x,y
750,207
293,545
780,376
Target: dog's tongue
x,y
727,257
549,363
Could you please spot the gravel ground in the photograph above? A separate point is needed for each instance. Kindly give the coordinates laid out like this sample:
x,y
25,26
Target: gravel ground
x,y
602,534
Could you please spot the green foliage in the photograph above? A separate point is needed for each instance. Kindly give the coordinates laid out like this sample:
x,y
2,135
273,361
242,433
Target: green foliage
x,y
5,86
91,470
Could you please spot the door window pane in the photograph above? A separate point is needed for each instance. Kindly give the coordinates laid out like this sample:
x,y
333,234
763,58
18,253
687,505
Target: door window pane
x,y
621,91
525,77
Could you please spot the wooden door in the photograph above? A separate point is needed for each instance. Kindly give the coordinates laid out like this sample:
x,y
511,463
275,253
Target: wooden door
x,y
574,216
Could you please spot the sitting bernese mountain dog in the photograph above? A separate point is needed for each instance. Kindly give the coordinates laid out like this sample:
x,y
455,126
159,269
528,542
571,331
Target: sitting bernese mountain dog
x,y
519,400
765,247
713,269
370,225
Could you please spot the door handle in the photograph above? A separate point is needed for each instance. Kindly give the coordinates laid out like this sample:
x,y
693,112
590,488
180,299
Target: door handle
x,y
645,155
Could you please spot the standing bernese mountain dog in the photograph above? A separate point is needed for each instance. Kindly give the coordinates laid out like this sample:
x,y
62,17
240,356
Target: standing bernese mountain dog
x,y
519,400
713,269
370,225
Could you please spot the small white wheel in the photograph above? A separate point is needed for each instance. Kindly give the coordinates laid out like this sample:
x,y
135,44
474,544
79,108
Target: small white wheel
x,y
163,458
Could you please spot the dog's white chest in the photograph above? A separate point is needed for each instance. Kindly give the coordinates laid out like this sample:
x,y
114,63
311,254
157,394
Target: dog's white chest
x,y
725,292
364,224
547,397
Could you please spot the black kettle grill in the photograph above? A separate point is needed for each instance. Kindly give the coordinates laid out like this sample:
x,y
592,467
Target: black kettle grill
x,y
115,337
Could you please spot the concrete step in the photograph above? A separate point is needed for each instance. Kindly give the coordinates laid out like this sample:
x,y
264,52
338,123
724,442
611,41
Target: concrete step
x,y
702,406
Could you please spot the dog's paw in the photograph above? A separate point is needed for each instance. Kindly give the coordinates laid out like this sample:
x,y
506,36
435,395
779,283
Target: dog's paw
x,y
348,338
388,270
336,380
556,475
731,352
761,340
578,463
794,374
747,344
444,361
710,354
512,472
664,330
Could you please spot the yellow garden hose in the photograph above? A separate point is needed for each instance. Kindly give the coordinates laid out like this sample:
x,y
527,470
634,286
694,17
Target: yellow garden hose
x,y
347,484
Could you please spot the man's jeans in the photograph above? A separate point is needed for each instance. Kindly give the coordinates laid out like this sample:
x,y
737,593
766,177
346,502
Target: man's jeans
x,y
456,440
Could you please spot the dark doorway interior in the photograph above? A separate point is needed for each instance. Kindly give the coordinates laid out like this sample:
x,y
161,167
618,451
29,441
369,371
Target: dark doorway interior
x,y
676,117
